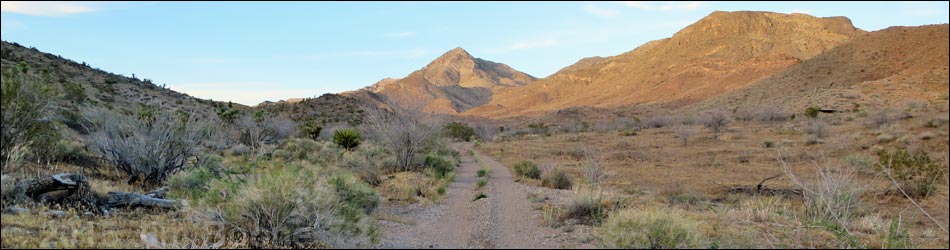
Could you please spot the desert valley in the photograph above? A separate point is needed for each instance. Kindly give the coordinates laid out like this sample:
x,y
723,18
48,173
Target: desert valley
x,y
745,129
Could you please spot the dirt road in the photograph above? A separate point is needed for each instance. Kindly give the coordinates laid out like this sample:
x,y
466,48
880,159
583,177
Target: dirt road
x,y
506,219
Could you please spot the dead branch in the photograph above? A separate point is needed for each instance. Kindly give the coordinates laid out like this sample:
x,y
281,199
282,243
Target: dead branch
x,y
74,189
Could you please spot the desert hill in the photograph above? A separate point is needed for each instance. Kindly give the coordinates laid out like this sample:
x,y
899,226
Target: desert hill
x,y
886,68
723,52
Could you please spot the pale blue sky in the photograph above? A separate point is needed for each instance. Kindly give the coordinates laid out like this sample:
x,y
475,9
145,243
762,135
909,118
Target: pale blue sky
x,y
249,52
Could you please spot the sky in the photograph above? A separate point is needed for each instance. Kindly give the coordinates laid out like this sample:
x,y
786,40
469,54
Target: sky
x,y
249,52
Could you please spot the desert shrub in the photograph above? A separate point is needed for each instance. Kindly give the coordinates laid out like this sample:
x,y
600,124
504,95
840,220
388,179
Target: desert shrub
x,y
768,144
26,105
812,112
482,172
527,169
717,121
286,206
539,128
354,193
193,182
593,168
860,161
368,162
261,129
150,147
557,179
916,173
405,132
886,118
684,133
586,204
440,164
818,129
885,138
630,132
311,129
459,131
832,197
651,229
771,114
315,152
481,183
347,138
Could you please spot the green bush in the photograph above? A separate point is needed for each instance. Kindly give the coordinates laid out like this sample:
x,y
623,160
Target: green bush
x,y
556,179
311,129
651,229
440,164
459,131
481,183
26,104
527,169
482,172
319,153
812,112
354,193
277,207
347,138
194,183
916,173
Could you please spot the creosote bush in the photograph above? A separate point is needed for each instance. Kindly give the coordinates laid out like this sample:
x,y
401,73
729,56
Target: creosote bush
x,y
441,165
459,131
916,173
27,102
557,179
295,206
347,138
527,169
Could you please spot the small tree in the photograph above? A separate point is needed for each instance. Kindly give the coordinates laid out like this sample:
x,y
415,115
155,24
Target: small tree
x,y
27,102
684,133
405,131
347,138
145,149
717,121
311,129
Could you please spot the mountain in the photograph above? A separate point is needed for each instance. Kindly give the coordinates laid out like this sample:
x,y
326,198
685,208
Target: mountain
x,y
720,53
877,70
453,83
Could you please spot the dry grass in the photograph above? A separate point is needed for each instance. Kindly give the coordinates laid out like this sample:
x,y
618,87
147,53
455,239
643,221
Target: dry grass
x,y
649,167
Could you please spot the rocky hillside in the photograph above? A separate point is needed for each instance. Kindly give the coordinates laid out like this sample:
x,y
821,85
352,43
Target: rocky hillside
x,y
723,52
453,83
85,86
881,69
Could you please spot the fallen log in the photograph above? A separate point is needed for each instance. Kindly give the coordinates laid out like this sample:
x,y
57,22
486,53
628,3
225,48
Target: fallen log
x,y
133,200
74,190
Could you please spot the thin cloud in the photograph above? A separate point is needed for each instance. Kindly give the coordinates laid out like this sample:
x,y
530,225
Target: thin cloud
x,y
665,5
48,9
598,11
